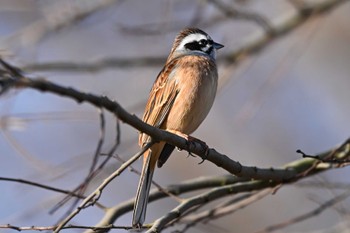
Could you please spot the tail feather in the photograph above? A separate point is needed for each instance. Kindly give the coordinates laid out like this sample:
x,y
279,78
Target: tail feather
x,y
142,194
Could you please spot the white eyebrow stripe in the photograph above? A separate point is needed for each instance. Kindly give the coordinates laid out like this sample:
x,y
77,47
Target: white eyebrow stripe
x,y
191,38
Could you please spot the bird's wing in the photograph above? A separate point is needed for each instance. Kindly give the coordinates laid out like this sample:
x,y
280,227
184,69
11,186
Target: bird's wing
x,y
161,98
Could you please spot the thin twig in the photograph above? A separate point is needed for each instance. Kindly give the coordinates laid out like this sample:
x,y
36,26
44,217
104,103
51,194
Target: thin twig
x,y
160,188
94,196
224,209
47,187
206,197
83,186
115,212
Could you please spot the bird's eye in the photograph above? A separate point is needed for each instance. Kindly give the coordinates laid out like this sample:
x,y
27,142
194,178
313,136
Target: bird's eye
x,y
203,42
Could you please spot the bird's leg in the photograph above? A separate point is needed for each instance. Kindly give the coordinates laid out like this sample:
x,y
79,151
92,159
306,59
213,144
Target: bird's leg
x,y
191,141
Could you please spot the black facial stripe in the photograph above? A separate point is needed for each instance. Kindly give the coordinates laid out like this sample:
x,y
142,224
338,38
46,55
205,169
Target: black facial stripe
x,y
201,45
194,46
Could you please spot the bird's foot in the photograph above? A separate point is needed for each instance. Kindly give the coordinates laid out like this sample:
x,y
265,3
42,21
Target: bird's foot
x,y
191,142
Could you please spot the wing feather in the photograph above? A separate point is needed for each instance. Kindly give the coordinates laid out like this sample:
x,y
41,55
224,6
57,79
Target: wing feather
x,y
161,98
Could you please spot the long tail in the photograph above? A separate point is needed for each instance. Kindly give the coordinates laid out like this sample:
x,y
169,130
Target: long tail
x,y
141,201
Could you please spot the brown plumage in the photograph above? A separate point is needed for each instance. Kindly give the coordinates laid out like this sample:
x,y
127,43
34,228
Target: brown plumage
x,y
179,101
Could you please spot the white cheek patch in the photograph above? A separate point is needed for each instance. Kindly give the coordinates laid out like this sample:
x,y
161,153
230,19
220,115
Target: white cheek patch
x,y
190,38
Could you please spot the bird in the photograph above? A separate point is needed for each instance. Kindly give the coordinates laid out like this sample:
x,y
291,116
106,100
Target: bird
x,y
180,99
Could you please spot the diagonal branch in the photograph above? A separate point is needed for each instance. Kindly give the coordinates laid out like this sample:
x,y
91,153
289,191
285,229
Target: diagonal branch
x,y
14,80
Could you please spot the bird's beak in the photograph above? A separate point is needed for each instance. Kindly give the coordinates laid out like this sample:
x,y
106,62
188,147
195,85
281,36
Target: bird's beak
x,y
218,46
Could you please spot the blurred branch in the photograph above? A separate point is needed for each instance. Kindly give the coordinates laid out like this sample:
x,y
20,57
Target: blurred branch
x,y
304,12
93,198
93,172
96,66
225,208
22,151
251,107
47,187
231,12
324,206
51,228
62,14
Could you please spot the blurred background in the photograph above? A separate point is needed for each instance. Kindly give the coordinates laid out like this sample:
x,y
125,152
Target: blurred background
x,y
292,93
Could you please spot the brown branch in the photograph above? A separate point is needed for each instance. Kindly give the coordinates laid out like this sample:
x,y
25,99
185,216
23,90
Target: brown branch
x,y
196,184
306,167
221,160
224,186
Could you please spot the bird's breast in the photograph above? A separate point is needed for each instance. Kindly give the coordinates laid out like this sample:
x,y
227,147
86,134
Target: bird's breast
x,y
197,79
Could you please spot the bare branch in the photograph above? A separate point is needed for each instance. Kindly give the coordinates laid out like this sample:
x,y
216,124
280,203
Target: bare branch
x,y
92,173
160,188
94,196
308,169
115,212
204,198
211,155
325,160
